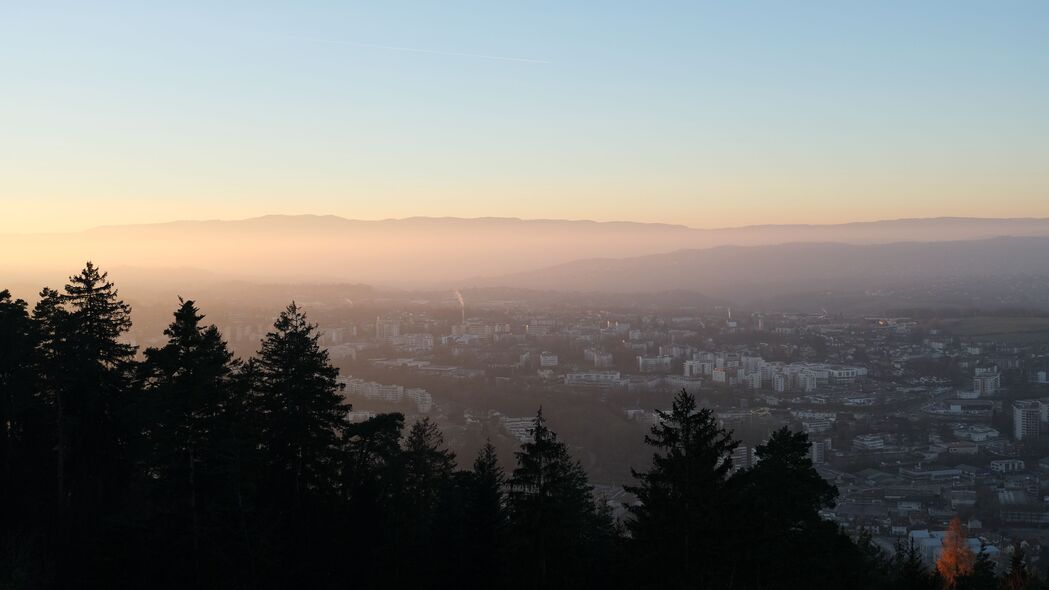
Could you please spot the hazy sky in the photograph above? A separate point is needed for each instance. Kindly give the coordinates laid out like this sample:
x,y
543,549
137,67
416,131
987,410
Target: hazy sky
x,y
707,114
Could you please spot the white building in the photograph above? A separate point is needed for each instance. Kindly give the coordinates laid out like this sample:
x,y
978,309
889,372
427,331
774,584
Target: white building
x,y
752,380
595,379
742,458
987,381
386,329
547,360
818,451
1007,465
868,442
654,364
1027,419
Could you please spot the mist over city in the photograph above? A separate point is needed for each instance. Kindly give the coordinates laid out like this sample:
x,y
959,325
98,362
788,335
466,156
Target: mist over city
x,y
453,295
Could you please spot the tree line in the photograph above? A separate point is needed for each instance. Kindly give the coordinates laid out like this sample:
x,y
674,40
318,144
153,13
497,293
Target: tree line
x,y
184,466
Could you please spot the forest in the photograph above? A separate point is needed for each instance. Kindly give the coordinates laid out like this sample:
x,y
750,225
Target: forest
x,y
183,466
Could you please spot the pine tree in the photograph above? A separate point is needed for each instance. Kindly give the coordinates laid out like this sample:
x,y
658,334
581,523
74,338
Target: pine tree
x,y
909,570
303,412
26,470
477,516
16,392
486,505
189,383
427,493
371,480
427,465
51,321
84,367
1019,576
680,521
552,512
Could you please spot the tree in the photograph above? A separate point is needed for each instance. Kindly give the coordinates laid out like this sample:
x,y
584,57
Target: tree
x,y
302,421
956,559
423,496
85,368
552,513
427,465
303,413
485,501
1019,576
189,386
678,525
484,520
17,402
909,570
26,471
778,502
371,477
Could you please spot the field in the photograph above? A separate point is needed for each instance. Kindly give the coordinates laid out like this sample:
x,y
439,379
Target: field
x,y
1025,330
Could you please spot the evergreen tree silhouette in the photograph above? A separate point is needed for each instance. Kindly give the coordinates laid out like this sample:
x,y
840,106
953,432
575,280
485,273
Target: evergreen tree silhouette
x,y
188,384
88,374
552,512
679,527
303,413
302,425
486,517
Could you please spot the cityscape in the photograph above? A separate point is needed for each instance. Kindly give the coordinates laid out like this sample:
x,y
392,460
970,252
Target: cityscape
x,y
527,296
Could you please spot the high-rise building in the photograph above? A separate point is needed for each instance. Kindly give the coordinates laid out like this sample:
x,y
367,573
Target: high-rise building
x,y
818,451
386,329
986,381
1027,419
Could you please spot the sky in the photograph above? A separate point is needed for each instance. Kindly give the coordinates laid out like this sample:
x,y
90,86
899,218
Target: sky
x,y
699,113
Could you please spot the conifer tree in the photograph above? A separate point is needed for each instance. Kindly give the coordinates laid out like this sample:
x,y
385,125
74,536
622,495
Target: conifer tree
x,y
23,440
426,494
909,569
552,512
486,512
189,385
680,521
303,413
371,479
84,368
427,465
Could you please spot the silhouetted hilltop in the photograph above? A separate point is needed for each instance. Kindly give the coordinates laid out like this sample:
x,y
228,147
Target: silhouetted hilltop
x,y
749,273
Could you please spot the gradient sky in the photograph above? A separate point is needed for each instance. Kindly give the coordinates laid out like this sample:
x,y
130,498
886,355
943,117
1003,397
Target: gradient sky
x,y
707,114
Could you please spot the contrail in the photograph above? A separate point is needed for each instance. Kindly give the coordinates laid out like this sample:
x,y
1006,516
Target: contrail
x,y
429,51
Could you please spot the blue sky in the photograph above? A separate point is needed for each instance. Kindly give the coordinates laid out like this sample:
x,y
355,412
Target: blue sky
x,y
708,114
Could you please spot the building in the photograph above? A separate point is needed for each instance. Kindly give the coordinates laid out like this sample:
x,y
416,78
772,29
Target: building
x,y
742,458
987,381
1007,465
868,442
600,358
386,329
595,379
697,368
818,451
1027,419
654,364
547,360
423,400
752,380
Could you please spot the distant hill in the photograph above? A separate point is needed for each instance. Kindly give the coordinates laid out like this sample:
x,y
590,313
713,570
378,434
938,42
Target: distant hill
x,y
420,252
762,272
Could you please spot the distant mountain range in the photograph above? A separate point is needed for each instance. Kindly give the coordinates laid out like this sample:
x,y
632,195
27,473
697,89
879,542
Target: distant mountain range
x,y
756,273
446,252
